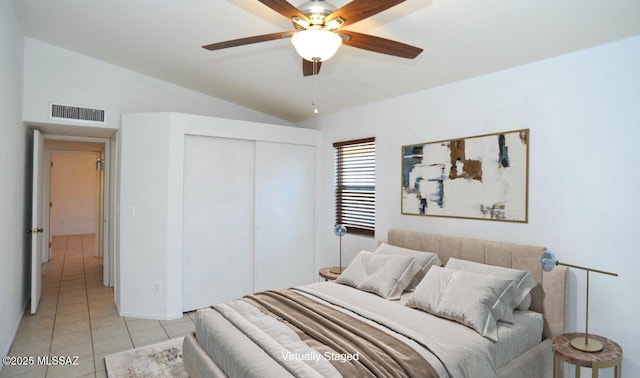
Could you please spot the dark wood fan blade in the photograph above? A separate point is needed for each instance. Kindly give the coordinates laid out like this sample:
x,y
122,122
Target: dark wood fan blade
x,y
307,68
380,45
284,8
358,10
248,40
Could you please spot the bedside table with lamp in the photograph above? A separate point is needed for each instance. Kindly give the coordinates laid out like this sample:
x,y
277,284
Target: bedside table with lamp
x,y
583,349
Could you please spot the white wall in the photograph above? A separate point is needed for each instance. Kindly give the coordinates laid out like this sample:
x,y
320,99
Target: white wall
x,y
583,112
53,74
73,193
15,182
143,194
151,156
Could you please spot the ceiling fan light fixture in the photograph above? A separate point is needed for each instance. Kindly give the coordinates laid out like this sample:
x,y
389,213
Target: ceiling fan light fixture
x,y
316,44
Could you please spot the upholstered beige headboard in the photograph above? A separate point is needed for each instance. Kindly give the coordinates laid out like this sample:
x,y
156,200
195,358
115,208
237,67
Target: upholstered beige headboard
x,y
547,298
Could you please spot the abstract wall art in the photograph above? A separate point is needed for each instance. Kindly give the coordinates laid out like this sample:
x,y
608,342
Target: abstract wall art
x,y
479,177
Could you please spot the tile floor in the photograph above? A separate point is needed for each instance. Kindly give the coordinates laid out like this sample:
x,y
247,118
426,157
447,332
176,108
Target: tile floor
x,y
77,317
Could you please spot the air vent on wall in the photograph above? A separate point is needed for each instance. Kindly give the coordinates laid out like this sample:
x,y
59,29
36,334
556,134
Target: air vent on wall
x,y
77,113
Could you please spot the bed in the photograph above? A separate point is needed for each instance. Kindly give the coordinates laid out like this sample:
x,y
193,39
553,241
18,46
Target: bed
x,y
239,339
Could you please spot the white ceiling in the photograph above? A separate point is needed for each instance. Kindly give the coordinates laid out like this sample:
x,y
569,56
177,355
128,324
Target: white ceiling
x,y
460,38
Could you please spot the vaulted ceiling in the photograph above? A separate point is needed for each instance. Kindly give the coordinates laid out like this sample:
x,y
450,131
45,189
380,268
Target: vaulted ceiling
x,y
460,38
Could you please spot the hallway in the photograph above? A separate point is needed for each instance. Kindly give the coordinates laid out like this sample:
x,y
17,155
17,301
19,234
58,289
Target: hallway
x,y
77,317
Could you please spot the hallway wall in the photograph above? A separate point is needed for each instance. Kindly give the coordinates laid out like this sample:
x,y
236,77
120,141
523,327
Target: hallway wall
x,y
73,193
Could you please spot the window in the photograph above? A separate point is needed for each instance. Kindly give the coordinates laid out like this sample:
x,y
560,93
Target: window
x,y
355,184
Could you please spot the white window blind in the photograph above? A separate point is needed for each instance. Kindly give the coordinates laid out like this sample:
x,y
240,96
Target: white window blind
x,y
355,185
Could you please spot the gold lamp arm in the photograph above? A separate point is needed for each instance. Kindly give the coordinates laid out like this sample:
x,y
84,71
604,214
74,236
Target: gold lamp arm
x,y
587,269
341,254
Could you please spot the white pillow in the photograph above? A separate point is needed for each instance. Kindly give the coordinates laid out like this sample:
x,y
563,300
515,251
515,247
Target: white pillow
x,y
384,275
467,298
525,304
522,280
424,259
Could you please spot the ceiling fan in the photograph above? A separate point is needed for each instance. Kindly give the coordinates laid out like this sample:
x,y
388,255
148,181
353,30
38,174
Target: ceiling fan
x,y
318,31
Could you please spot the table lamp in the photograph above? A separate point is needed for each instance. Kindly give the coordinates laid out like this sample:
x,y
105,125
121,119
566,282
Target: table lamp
x,y
339,230
548,262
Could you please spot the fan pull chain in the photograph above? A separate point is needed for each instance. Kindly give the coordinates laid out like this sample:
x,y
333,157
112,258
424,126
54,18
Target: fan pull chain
x,y
315,86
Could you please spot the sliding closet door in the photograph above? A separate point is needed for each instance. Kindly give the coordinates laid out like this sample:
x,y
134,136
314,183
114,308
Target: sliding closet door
x,y
284,215
218,220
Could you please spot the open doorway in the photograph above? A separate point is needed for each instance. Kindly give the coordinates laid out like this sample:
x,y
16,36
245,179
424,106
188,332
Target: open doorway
x,y
75,195
76,192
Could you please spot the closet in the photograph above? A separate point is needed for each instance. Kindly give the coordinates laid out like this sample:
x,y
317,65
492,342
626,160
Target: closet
x,y
249,217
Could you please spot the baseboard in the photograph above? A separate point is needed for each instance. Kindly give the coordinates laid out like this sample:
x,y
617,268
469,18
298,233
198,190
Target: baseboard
x,y
6,348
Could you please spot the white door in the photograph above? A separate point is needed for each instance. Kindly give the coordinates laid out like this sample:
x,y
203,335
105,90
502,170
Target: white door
x,y
111,268
218,220
99,234
36,221
284,215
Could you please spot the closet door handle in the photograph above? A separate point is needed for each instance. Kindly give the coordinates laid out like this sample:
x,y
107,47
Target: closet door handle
x,y
40,230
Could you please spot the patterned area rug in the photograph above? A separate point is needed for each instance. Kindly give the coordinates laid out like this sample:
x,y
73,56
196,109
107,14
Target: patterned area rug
x,y
158,360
